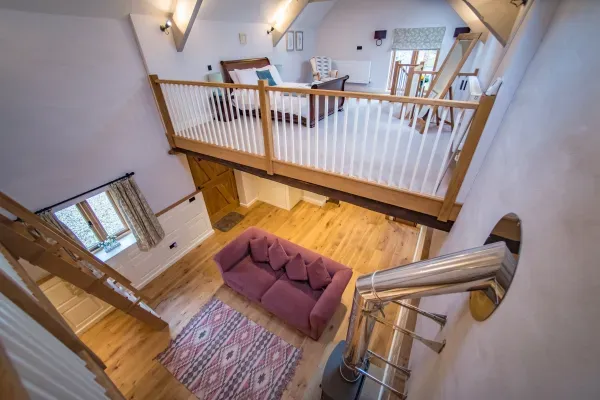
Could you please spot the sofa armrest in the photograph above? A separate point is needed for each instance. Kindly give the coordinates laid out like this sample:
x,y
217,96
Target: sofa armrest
x,y
328,302
234,252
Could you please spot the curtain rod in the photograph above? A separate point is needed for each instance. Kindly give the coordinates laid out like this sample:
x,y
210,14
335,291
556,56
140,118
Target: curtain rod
x,y
127,175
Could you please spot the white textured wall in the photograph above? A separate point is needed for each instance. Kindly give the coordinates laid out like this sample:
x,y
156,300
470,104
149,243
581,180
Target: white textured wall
x,y
510,64
252,188
542,342
187,224
77,111
211,42
352,23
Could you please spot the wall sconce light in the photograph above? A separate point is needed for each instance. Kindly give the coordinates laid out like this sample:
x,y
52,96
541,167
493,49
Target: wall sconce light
x,y
166,26
379,36
270,30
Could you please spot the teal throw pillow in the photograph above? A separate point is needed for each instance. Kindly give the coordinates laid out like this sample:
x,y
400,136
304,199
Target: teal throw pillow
x,y
266,75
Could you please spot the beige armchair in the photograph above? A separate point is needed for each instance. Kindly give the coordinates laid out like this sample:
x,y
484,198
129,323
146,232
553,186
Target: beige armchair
x,y
321,69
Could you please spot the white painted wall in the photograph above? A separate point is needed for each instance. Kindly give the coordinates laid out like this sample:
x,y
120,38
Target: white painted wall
x,y
541,343
77,111
352,23
252,188
247,188
510,64
187,224
313,198
211,42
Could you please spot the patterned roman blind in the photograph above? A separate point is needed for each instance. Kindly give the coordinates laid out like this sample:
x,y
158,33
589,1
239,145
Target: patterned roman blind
x,y
418,38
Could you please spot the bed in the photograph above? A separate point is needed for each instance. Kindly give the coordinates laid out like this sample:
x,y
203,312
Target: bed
x,y
305,110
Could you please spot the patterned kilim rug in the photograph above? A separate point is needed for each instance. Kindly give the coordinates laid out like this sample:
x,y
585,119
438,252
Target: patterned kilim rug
x,y
223,355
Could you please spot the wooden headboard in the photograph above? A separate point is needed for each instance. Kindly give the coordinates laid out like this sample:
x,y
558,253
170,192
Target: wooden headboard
x,y
242,64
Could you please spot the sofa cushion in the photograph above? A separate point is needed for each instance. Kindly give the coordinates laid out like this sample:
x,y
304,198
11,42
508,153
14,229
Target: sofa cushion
x,y
277,255
318,277
296,269
251,279
291,301
304,287
259,249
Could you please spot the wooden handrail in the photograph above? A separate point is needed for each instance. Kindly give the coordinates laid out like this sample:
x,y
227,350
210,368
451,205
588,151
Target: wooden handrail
x,y
267,125
466,156
207,84
165,117
468,105
474,73
409,65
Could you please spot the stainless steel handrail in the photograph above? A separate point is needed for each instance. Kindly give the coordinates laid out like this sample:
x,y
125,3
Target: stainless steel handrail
x,y
488,268
439,318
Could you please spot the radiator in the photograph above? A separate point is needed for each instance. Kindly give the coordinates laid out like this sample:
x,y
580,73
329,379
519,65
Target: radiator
x,y
359,71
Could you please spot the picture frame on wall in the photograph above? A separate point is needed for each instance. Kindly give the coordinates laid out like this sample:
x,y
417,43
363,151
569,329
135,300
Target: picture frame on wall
x,y
290,38
299,40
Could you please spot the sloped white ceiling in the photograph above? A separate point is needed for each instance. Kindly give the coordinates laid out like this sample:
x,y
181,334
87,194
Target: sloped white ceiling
x,y
261,11
248,11
313,14
91,8
257,11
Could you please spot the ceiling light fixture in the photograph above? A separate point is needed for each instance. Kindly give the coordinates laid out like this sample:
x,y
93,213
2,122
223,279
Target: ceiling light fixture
x,y
270,30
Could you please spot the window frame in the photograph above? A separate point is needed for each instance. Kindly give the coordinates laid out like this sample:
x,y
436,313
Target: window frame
x,y
94,222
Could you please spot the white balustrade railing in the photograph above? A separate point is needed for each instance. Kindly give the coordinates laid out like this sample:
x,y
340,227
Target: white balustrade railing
x,y
404,143
371,140
224,117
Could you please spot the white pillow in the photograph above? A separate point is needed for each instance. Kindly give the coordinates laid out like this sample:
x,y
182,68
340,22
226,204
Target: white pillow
x,y
234,76
274,74
247,76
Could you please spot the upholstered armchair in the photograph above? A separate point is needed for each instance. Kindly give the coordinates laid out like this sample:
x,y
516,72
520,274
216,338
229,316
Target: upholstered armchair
x,y
321,68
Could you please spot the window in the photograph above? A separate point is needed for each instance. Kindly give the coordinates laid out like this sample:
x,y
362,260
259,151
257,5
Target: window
x,y
428,57
94,220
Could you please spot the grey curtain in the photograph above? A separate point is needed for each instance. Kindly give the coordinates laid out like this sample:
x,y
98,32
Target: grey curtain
x,y
137,212
418,38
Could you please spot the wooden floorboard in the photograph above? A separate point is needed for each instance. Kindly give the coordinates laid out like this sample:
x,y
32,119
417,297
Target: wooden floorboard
x,y
362,239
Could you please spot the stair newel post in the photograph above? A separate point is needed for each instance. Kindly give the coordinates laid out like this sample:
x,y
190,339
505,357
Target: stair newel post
x,y
267,125
395,76
162,109
409,79
466,156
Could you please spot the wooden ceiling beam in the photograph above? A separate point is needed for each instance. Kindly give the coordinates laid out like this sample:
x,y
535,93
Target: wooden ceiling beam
x,y
289,11
183,19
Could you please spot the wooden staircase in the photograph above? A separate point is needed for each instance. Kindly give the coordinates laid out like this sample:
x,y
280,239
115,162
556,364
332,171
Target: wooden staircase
x,y
32,239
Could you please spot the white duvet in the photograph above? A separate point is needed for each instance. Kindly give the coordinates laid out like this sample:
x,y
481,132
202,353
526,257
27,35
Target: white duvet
x,y
292,103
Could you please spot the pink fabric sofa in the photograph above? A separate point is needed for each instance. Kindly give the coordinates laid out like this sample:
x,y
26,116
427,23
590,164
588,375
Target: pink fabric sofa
x,y
295,302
